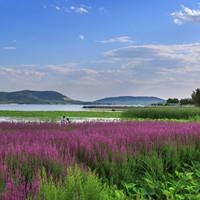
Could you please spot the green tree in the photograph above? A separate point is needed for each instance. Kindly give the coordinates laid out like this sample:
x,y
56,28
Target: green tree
x,y
196,97
186,102
172,101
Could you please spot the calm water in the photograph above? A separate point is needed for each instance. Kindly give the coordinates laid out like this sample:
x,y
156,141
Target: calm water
x,y
29,107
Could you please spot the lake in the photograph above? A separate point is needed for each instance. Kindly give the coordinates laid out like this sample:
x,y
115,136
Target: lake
x,y
30,107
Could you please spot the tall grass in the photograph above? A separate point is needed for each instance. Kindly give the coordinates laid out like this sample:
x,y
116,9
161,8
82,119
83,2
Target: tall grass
x,y
78,184
185,113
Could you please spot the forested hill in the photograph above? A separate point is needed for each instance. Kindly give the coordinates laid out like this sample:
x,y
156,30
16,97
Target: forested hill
x,y
130,100
36,97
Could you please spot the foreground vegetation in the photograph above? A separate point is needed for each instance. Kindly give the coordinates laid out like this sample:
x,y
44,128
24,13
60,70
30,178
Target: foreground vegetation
x,y
127,160
175,113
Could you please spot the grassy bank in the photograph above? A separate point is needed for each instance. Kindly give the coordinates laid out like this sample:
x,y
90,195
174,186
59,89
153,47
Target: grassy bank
x,y
147,113
55,115
169,113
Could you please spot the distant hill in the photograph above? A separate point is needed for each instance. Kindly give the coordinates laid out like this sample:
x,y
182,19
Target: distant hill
x,y
52,97
36,97
129,100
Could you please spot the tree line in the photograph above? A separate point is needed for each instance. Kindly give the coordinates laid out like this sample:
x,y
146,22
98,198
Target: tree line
x,y
194,100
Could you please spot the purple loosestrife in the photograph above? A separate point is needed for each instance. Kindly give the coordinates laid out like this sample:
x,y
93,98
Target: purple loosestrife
x,y
27,148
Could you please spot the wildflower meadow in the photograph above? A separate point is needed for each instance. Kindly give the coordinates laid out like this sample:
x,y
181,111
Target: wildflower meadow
x,y
119,160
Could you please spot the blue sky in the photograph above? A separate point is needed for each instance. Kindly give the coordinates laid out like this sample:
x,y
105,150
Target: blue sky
x,y
88,49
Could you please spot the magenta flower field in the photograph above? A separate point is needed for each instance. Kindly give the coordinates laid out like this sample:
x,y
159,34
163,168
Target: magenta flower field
x,y
109,149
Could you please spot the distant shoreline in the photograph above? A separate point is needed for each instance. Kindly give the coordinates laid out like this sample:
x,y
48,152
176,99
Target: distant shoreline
x,y
111,106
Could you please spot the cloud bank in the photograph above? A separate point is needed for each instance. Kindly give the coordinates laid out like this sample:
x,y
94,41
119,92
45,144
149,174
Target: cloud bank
x,y
186,15
160,70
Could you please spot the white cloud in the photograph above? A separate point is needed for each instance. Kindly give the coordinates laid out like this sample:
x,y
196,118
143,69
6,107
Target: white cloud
x,y
61,8
62,69
189,53
64,6
82,9
20,73
186,15
58,8
9,48
81,37
151,69
171,68
120,39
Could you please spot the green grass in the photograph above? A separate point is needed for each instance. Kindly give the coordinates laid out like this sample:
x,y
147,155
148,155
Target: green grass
x,y
78,184
169,113
55,115
147,113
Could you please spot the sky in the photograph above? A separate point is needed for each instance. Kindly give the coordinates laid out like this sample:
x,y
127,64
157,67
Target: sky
x,y
90,49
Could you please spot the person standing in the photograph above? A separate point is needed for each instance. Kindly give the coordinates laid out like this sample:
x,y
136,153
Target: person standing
x,y
62,120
